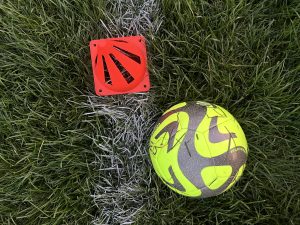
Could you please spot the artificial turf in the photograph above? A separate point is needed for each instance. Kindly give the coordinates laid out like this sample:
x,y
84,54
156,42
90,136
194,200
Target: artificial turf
x,y
242,55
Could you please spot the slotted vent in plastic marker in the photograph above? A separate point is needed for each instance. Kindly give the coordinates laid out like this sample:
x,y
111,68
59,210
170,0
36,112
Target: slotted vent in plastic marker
x,y
120,65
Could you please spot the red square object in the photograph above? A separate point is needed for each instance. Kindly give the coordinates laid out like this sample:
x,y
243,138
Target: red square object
x,y
120,65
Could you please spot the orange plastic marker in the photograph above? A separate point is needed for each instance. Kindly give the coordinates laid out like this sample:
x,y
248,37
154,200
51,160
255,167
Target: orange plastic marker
x,y
120,65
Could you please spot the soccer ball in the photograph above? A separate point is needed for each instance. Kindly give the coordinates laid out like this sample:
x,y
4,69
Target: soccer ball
x,y
198,149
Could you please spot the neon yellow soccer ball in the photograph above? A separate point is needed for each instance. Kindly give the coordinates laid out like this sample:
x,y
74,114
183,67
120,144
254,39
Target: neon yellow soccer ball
x,y
198,149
